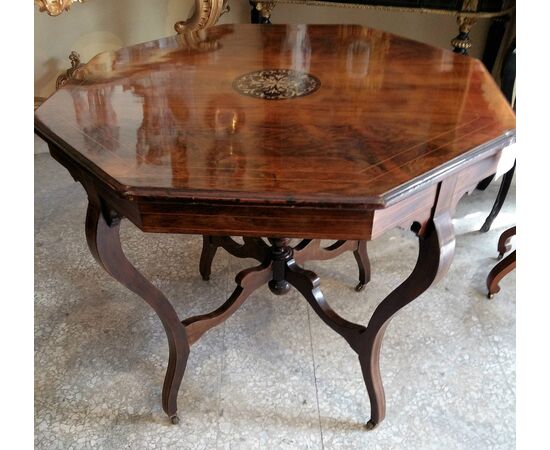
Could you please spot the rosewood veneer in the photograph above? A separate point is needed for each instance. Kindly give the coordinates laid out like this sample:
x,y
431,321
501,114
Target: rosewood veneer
x,y
312,132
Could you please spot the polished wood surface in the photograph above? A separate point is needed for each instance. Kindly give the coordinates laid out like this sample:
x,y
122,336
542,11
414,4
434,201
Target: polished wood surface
x,y
505,266
103,236
396,133
161,119
467,13
305,250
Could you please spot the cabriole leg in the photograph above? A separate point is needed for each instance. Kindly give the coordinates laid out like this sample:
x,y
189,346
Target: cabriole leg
x,y
209,249
504,241
499,201
104,242
311,250
434,258
254,248
498,272
435,255
363,263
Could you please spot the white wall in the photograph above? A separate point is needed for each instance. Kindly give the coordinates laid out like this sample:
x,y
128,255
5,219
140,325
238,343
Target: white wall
x,y
101,25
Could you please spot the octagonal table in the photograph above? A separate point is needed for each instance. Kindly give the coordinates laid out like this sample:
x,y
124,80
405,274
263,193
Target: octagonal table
x,y
312,132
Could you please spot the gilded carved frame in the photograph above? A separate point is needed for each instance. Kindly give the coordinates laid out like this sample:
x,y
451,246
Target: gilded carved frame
x,y
55,7
205,14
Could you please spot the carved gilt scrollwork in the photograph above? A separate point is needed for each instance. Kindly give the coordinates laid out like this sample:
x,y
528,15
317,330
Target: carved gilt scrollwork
x,y
206,14
55,7
265,9
461,42
62,79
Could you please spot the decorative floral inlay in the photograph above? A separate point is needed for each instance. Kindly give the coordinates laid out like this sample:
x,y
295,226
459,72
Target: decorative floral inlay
x,y
276,84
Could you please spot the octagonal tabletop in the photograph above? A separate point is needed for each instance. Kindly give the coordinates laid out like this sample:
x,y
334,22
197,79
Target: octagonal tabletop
x,y
338,114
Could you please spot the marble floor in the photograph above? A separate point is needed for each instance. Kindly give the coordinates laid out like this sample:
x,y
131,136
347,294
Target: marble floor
x,y
273,376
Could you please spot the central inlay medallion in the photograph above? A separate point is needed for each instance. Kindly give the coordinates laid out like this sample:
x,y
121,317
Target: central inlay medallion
x,y
276,84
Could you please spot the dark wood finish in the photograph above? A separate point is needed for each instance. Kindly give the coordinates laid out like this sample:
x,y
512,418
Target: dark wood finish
x,y
504,241
280,270
505,266
103,239
363,263
310,250
435,255
156,134
499,201
495,35
247,281
508,83
251,248
305,250
207,160
498,272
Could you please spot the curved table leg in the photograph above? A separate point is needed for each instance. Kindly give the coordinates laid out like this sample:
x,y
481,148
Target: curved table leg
x,y
247,282
254,248
434,258
207,256
308,284
499,201
104,243
311,250
305,250
363,263
504,241
498,272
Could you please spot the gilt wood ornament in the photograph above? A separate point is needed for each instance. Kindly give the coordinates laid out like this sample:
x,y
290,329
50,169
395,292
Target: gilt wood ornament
x,y
55,7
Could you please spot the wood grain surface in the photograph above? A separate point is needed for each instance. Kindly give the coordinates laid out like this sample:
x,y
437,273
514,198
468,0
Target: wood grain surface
x,y
162,128
163,117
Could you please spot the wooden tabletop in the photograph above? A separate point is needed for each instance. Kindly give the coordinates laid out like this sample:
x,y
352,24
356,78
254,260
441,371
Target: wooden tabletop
x,y
340,115
315,132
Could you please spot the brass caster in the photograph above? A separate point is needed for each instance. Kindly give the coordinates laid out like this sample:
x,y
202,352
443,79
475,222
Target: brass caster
x,y
174,419
371,425
490,296
360,287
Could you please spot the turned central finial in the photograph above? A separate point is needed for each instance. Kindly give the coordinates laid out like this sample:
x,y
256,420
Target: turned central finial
x,y
281,252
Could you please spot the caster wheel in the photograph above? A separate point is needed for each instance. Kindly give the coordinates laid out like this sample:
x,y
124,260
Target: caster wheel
x,y
371,425
359,287
490,296
174,419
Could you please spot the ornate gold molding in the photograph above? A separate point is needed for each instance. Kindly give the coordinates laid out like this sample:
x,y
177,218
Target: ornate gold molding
x,y
479,15
465,24
55,7
461,42
206,14
265,9
62,79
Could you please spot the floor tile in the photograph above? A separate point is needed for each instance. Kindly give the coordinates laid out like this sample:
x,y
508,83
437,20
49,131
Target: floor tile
x,y
273,375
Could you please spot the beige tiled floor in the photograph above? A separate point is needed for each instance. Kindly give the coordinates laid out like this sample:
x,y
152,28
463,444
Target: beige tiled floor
x,y
273,375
